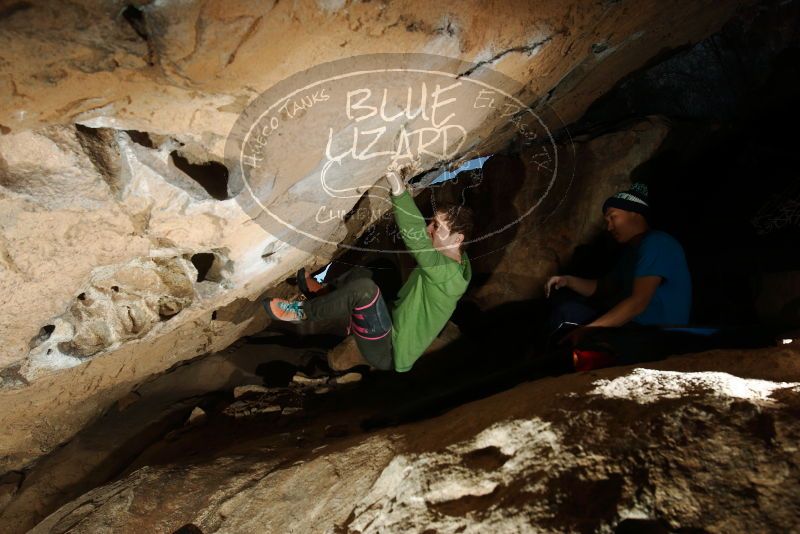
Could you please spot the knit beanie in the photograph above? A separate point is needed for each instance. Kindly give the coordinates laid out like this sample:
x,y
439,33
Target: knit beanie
x,y
634,199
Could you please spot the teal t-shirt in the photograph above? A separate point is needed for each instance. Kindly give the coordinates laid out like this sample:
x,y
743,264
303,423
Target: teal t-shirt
x,y
428,298
658,254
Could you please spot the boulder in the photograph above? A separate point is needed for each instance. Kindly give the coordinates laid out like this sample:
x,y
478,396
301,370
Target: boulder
x,y
704,442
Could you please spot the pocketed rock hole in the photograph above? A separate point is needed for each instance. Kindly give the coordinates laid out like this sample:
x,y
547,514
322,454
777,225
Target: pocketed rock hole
x,y
202,261
121,303
486,459
135,17
141,138
212,176
44,334
209,267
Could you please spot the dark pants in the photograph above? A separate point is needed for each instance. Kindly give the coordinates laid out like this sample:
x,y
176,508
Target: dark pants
x,y
617,342
357,296
571,307
568,309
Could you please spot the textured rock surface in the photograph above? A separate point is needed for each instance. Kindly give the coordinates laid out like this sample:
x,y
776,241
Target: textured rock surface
x,y
159,409
187,69
540,245
84,208
108,264
705,442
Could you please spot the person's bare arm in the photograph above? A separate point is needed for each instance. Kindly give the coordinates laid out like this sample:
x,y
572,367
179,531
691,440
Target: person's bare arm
x,y
582,286
644,287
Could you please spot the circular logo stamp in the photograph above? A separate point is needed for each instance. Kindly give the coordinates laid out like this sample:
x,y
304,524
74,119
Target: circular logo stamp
x,y
308,156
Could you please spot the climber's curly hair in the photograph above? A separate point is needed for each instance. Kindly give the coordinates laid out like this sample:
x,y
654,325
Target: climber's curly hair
x,y
460,219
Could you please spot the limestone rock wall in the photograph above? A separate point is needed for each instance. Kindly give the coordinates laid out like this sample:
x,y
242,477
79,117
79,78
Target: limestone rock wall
x,y
187,68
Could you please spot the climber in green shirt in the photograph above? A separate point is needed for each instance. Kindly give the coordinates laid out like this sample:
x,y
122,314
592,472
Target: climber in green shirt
x,y
395,339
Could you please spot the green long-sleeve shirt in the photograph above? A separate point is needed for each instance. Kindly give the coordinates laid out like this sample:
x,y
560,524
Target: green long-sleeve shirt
x,y
428,298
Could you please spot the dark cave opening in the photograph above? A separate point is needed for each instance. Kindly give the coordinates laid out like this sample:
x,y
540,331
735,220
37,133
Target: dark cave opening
x,y
211,175
135,17
203,261
141,138
44,334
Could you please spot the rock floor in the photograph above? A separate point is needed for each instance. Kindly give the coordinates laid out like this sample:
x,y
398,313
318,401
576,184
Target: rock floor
x,y
705,442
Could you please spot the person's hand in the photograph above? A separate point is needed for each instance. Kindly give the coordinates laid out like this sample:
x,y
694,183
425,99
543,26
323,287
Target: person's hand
x,y
556,282
399,175
396,185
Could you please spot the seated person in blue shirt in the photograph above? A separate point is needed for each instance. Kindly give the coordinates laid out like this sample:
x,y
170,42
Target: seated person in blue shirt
x,y
650,284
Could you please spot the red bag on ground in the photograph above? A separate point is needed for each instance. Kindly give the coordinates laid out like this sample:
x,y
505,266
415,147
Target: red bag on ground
x,y
586,360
